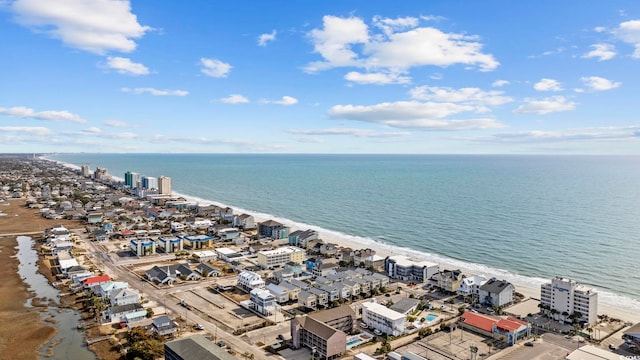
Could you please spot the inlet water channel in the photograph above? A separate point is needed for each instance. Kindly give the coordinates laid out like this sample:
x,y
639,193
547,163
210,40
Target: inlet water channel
x,y
68,343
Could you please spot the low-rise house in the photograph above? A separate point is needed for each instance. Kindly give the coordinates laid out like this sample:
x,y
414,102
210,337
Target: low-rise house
x,y
496,293
195,347
322,296
312,263
92,282
347,255
170,273
365,286
282,275
100,235
142,247
119,312
198,241
249,280
164,326
280,293
301,237
291,289
344,291
328,250
262,301
244,221
332,292
228,234
470,287
227,255
307,299
354,287
273,230
176,226
448,280
94,217
295,268
325,269
207,270
124,297
105,290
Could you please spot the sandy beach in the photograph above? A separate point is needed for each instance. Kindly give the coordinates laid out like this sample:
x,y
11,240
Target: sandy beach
x,y
527,290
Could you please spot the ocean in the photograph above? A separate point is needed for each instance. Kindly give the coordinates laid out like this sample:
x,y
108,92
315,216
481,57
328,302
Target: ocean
x,y
523,218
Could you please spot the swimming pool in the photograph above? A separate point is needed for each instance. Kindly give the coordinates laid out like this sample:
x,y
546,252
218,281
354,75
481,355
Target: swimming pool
x,y
430,317
353,343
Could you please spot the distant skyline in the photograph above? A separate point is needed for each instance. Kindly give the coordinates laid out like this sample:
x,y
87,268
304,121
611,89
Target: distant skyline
x,y
437,77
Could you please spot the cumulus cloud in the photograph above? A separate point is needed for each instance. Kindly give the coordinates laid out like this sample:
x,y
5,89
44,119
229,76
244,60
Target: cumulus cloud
x,y
92,130
545,106
286,101
629,32
597,83
234,99
49,115
352,132
401,45
601,51
126,66
378,78
263,39
155,92
500,83
547,85
97,26
31,130
214,68
463,95
414,115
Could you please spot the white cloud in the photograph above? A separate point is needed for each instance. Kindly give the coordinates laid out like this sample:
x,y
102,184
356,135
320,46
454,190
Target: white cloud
x,y
49,115
214,68
599,29
116,123
263,39
601,51
126,66
545,106
156,92
568,135
463,95
414,115
31,130
393,49
234,99
96,26
599,83
629,32
345,131
547,85
286,101
378,78
92,130
500,83
390,26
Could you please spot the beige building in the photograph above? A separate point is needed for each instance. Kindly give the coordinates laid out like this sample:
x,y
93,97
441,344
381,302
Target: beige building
x,y
280,256
164,185
324,332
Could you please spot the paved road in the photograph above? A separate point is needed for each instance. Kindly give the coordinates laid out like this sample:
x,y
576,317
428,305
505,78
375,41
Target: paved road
x,y
22,234
162,296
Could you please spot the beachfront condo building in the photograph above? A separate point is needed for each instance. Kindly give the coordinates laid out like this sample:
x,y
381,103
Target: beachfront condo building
x,y
84,169
131,179
149,183
280,256
403,268
570,299
379,317
164,185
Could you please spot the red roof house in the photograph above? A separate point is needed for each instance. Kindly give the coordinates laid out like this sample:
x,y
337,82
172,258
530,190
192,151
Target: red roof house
x,y
95,281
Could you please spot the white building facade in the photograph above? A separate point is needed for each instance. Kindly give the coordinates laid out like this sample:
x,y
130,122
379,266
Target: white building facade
x,y
379,317
248,280
568,297
401,267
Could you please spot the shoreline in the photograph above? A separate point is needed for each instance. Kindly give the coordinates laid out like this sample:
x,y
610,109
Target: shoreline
x,y
614,305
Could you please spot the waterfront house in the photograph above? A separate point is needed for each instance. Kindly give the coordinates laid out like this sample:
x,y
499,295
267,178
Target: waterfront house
x,y
92,282
301,238
496,293
273,230
124,297
119,312
244,221
105,290
447,280
470,287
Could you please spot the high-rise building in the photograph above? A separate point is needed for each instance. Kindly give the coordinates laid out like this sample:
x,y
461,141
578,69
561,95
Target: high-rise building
x,y
132,180
101,174
570,299
84,169
149,183
164,185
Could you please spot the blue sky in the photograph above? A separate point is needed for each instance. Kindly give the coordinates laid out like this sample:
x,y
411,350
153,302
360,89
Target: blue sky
x,y
470,77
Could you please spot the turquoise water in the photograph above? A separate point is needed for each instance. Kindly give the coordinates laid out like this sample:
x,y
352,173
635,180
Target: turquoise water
x,y
353,343
524,218
431,317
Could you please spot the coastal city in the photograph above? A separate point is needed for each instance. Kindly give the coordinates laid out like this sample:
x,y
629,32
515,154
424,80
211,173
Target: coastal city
x,y
155,275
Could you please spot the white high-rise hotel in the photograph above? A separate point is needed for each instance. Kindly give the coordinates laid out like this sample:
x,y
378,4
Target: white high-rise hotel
x,y
568,297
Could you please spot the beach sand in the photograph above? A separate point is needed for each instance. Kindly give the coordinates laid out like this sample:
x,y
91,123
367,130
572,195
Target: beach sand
x,y
525,289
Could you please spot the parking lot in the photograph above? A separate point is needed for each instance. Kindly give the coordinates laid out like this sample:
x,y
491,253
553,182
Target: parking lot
x,y
454,345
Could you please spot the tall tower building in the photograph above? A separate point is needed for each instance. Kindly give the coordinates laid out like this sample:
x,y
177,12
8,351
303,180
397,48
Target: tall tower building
x,y
149,183
132,180
164,185
84,169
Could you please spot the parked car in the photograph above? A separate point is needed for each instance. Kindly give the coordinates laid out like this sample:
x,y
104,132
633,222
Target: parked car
x,y
363,325
377,332
198,327
528,343
611,347
280,337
